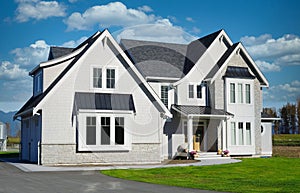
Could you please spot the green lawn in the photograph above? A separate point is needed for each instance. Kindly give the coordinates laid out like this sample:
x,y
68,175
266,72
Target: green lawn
x,y
286,140
250,175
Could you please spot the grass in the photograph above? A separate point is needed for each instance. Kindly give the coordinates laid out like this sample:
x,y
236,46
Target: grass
x,y
251,175
9,154
286,140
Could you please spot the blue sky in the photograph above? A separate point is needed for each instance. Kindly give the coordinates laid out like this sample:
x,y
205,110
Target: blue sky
x,y
269,29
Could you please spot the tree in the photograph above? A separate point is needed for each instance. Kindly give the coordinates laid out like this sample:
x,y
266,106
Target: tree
x,y
298,113
271,112
288,116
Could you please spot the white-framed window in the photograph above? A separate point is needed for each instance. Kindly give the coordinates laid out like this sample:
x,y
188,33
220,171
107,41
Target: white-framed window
x,y
191,91
233,133
102,132
199,91
38,83
232,93
110,78
164,94
248,93
241,133
97,77
248,133
240,93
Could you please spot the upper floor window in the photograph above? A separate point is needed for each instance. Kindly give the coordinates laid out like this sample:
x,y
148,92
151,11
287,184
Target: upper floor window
x,y
248,94
199,91
240,93
97,77
38,83
191,91
232,92
110,78
164,95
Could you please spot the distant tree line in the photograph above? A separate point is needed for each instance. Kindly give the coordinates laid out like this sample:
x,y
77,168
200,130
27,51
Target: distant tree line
x,y
290,118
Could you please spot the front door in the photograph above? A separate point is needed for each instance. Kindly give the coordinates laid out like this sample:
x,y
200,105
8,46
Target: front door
x,y
199,134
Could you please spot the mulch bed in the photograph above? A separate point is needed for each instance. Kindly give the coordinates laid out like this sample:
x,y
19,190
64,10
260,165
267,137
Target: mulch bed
x,y
286,151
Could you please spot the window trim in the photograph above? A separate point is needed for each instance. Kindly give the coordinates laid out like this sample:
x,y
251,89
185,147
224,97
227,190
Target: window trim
x,y
163,98
104,78
38,83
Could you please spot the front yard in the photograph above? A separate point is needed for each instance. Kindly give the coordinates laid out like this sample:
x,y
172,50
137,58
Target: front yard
x,y
251,175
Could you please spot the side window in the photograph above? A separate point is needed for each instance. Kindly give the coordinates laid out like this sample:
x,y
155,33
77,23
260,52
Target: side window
x,y
233,133
90,130
119,130
191,91
164,95
248,94
240,93
105,130
97,77
241,133
199,91
232,93
110,78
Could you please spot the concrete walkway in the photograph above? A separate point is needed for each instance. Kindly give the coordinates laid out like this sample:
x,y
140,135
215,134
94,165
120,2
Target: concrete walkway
x,y
28,167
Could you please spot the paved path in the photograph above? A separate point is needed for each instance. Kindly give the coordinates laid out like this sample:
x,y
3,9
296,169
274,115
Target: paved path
x,y
40,179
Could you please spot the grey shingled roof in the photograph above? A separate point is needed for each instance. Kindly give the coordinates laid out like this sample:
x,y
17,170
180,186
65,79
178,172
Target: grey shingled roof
x,y
199,110
156,59
238,72
104,101
56,52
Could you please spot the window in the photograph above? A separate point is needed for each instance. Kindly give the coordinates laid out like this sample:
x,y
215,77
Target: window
x,y
240,93
233,133
38,83
185,131
248,133
164,95
91,130
119,130
110,78
191,91
97,77
241,133
105,130
232,92
248,94
199,91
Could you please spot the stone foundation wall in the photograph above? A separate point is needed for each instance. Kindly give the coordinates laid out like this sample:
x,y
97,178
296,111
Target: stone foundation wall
x,y
54,154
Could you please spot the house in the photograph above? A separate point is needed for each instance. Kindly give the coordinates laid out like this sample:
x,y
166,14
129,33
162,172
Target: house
x,y
138,101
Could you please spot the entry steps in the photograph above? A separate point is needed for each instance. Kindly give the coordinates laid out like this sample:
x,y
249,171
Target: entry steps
x,y
208,155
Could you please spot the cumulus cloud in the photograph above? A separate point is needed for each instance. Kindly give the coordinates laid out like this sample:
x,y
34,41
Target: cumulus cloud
x,y
31,55
112,14
74,43
189,19
145,8
36,9
283,92
267,67
164,30
9,71
282,51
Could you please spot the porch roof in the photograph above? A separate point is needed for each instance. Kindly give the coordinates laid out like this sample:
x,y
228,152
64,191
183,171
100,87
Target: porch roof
x,y
201,111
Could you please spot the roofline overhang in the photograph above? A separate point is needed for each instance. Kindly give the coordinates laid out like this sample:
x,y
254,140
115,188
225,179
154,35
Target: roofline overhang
x,y
28,111
270,119
157,78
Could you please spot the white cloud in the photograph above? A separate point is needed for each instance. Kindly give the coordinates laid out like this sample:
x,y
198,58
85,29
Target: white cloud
x,y
112,14
145,8
9,71
162,31
74,43
31,55
195,30
189,19
36,9
267,67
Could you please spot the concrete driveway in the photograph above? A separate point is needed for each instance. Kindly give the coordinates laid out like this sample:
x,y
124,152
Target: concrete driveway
x,y
13,180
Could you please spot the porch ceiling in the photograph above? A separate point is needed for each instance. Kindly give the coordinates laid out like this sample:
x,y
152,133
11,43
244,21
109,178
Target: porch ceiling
x,y
201,111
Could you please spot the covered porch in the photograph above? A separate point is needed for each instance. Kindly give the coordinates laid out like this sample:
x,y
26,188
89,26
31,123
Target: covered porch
x,y
204,128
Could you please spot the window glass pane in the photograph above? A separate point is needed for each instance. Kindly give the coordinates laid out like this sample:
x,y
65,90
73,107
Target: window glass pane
x,y
248,133
240,93
97,77
232,92
119,130
90,130
248,94
191,91
233,134
105,130
241,134
199,91
110,78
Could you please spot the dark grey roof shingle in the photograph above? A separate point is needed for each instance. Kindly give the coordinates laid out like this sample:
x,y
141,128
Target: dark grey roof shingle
x,y
104,101
200,110
56,52
238,72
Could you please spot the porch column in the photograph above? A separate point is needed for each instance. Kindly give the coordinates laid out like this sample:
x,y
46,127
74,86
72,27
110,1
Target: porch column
x,y
190,133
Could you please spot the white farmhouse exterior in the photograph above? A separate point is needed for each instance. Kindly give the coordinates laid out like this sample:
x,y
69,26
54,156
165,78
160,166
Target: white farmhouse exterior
x,y
138,101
